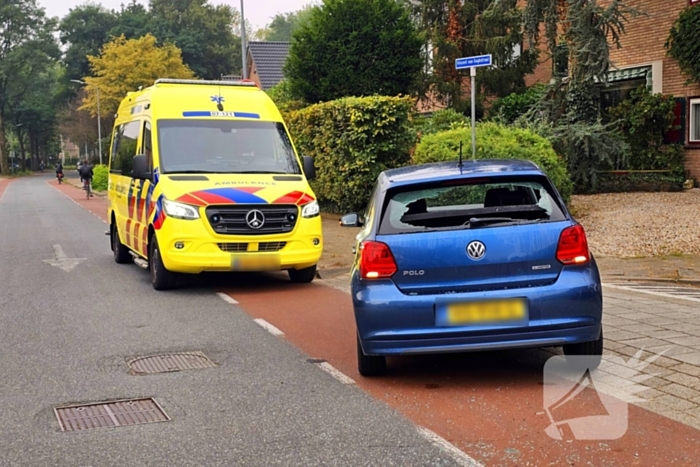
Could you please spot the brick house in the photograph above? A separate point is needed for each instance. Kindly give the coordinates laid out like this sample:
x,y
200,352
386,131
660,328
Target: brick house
x,y
266,63
642,60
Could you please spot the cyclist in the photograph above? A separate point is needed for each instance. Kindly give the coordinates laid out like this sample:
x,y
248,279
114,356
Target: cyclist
x,y
86,176
59,171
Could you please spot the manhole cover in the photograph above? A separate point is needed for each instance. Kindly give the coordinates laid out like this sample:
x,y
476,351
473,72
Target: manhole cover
x,y
110,414
170,362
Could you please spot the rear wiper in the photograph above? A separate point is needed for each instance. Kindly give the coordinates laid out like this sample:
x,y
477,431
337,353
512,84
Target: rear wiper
x,y
474,221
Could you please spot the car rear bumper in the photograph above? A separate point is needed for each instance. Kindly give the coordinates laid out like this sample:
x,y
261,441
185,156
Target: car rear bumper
x,y
391,323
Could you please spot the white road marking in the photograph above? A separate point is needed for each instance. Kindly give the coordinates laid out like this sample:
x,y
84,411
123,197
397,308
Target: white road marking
x,y
62,261
270,328
459,456
650,292
328,368
227,299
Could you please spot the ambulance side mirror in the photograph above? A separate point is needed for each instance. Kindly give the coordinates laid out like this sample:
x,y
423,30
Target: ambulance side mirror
x,y
140,170
309,169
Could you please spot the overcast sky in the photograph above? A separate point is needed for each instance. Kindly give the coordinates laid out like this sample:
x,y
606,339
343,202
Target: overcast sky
x,y
257,12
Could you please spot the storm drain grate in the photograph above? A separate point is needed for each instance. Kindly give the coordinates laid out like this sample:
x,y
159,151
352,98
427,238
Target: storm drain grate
x,y
167,363
110,414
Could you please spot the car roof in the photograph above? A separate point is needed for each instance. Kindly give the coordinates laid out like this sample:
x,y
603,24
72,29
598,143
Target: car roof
x,y
446,170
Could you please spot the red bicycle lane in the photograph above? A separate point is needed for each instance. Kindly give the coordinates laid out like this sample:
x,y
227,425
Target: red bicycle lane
x,y
488,405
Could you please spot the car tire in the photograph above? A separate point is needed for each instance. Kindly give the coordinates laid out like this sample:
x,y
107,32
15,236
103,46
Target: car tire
x,y
369,365
302,276
161,278
121,252
592,349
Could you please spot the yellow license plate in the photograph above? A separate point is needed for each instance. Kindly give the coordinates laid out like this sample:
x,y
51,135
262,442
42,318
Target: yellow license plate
x,y
256,262
496,311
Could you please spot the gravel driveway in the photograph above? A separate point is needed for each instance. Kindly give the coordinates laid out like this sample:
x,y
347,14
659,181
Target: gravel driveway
x,y
627,225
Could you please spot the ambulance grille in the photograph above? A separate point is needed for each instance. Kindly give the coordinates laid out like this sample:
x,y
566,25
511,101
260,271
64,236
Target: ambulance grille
x,y
263,246
270,219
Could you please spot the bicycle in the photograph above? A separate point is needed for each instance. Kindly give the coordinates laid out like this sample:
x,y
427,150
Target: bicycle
x,y
86,187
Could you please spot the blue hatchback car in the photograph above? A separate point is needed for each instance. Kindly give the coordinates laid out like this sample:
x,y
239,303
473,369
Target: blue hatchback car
x,y
480,255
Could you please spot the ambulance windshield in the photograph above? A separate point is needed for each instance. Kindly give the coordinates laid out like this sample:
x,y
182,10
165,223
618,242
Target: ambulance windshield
x,y
225,146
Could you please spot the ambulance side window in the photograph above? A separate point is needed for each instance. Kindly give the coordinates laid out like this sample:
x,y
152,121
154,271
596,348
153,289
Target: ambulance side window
x,y
125,148
147,148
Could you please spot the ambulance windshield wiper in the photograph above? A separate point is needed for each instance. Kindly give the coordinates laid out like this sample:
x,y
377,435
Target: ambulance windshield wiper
x,y
193,172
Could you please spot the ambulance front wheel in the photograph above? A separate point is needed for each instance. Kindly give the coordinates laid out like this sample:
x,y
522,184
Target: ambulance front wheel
x,y
302,276
161,278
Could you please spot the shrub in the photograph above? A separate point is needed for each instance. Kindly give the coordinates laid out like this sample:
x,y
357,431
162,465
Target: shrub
x,y
496,141
352,140
643,120
683,42
508,109
441,120
100,176
282,97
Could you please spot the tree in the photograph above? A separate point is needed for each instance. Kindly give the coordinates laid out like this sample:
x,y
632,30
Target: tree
x,y
578,33
133,21
354,48
204,33
283,25
124,65
457,28
84,30
27,49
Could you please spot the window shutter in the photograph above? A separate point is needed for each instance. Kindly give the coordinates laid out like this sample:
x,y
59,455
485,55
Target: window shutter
x,y
677,135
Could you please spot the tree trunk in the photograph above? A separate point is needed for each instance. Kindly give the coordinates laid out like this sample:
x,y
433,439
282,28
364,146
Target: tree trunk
x,y
4,161
20,138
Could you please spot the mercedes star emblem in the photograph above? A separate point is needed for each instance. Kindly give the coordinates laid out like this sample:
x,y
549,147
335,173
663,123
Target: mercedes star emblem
x,y
476,250
255,219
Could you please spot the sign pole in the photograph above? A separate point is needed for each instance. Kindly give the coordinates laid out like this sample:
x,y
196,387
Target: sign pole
x,y
473,74
473,63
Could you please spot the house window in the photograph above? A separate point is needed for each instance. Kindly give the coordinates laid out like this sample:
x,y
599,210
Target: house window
x,y
428,53
693,2
694,133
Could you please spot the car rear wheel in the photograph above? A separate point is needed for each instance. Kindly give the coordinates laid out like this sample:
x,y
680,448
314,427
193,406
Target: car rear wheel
x,y
593,350
369,365
121,252
302,276
161,278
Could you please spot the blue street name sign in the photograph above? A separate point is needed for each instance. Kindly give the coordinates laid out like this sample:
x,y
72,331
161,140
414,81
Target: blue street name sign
x,y
471,62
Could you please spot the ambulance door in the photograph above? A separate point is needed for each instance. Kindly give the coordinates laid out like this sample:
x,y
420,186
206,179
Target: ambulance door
x,y
125,150
140,194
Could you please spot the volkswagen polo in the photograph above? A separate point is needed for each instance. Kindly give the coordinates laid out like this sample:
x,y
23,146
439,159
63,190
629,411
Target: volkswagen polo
x,y
479,255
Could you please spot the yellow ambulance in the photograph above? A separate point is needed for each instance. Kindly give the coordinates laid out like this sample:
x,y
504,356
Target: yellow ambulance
x,y
203,176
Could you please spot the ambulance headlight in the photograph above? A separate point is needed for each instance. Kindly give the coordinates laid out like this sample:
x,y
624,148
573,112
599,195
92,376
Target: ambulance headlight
x,y
310,210
180,210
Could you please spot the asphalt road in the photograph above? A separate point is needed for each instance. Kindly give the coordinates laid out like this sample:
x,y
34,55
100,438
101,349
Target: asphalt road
x,y
65,337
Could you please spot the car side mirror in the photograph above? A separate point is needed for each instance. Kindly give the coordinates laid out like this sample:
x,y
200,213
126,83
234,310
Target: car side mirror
x,y
309,169
351,220
140,169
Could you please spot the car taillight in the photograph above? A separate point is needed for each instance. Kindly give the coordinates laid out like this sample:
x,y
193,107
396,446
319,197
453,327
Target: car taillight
x,y
376,261
573,246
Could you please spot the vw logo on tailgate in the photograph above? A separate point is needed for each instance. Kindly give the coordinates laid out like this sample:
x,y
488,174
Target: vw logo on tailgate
x,y
476,250
255,219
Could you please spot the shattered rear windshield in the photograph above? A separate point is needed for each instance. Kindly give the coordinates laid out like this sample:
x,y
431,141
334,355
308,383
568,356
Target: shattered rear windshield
x,y
470,204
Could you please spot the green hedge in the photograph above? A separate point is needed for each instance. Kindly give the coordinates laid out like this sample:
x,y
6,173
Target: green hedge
x,y
100,176
496,141
352,140
509,108
639,182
